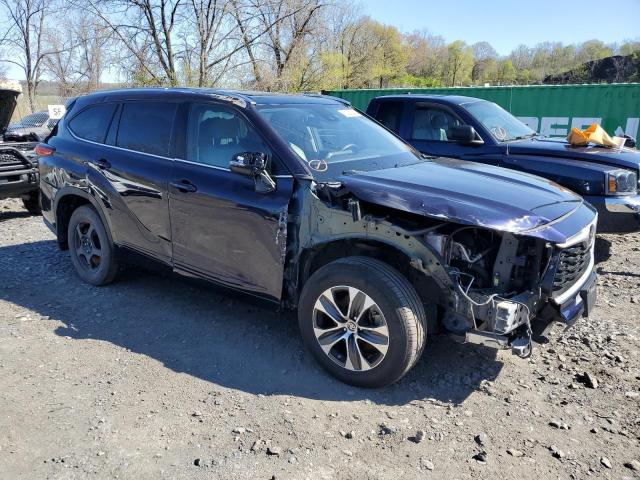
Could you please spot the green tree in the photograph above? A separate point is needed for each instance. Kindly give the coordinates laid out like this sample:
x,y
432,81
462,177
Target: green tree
x,y
593,50
388,52
459,64
506,74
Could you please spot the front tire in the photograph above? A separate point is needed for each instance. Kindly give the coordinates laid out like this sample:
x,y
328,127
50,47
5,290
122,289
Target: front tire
x,y
90,248
363,321
31,202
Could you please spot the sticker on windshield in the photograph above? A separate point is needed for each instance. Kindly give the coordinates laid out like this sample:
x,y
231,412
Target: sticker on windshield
x,y
350,113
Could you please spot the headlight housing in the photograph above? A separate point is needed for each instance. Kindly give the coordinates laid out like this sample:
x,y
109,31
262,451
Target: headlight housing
x,y
621,182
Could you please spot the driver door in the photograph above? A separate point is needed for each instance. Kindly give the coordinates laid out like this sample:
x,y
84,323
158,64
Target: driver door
x,y
429,133
222,229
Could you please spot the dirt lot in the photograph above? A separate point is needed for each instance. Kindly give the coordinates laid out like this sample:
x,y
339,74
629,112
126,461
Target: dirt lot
x,y
154,377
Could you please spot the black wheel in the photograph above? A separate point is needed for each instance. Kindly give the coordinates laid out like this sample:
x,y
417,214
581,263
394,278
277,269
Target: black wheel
x,y
91,250
31,202
363,321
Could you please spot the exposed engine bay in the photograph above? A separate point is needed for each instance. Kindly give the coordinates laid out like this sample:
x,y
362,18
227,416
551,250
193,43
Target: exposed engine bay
x,y
20,135
488,285
496,278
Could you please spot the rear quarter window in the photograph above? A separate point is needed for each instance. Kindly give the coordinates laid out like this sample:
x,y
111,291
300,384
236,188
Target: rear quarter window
x,y
390,115
93,122
146,127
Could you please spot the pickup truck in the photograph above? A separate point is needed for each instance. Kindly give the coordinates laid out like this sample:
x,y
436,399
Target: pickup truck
x,y
480,131
18,161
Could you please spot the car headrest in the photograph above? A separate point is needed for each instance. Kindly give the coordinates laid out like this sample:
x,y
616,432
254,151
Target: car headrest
x,y
438,120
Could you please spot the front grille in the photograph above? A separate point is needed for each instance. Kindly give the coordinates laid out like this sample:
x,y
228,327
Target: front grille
x,y
7,157
12,161
13,166
572,263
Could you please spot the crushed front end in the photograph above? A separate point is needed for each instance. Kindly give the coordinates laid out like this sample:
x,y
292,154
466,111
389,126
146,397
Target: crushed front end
x,y
495,285
507,286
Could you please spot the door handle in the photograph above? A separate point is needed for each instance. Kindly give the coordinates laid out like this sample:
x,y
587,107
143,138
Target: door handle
x,y
103,164
184,186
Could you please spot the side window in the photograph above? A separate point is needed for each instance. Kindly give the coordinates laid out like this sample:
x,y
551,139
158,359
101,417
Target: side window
x,y
432,123
390,114
93,122
146,127
215,134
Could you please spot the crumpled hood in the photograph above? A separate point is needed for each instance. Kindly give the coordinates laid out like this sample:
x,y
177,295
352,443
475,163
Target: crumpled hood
x,y
472,194
8,102
553,147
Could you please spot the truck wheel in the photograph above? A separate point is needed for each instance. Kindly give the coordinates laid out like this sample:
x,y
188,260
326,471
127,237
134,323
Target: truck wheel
x,y
362,321
91,250
31,202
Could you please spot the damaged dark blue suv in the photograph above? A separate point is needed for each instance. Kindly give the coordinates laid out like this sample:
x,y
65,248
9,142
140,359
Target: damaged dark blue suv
x,y
303,201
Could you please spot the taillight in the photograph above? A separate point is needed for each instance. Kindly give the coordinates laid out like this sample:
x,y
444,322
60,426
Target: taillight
x,y
44,150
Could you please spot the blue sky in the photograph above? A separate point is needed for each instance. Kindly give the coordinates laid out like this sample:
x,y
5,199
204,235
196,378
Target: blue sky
x,y
508,23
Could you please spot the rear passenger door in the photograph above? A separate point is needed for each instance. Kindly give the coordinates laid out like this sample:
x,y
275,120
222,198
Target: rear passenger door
x,y
135,165
221,228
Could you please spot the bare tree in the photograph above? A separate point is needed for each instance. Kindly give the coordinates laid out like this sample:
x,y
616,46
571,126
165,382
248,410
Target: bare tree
x,y
281,27
146,30
25,37
427,54
209,18
79,51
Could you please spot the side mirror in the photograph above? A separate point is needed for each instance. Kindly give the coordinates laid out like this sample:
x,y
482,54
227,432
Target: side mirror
x,y
465,134
256,166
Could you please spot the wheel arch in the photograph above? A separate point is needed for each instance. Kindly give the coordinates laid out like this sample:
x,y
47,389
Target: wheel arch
x,y
317,255
69,199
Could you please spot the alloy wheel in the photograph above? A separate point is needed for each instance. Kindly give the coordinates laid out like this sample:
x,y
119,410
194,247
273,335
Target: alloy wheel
x,y
88,247
350,328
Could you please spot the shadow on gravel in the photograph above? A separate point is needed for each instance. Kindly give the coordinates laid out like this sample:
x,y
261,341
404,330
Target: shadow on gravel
x,y
11,215
602,251
196,330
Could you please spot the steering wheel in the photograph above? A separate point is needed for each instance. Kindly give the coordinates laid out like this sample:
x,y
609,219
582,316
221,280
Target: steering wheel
x,y
345,149
349,146
499,132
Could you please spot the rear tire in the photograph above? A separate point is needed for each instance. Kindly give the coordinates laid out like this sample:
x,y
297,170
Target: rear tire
x,y
90,247
363,321
31,202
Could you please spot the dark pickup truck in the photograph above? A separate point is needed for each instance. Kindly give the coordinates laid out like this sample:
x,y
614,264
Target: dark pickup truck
x,y
480,131
18,161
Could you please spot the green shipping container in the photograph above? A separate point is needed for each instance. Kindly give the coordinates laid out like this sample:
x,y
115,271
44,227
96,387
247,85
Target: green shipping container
x,y
549,109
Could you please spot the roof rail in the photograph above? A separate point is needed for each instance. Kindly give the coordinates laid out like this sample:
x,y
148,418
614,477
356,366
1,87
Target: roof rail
x,y
329,97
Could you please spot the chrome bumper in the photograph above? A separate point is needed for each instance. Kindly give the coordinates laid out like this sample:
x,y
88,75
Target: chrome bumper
x,y
617,204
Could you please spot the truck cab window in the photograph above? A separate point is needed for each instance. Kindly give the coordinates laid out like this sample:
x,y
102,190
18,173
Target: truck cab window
x,y
432,123
389,115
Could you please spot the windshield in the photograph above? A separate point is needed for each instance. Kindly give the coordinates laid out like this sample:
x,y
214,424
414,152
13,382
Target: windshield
x,y
332,139
37,119
502,125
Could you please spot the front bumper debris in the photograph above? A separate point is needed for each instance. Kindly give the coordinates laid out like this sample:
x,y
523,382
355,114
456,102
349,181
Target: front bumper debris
x,y
520,340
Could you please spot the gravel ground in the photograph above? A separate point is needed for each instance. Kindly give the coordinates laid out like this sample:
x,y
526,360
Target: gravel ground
x,y
155,377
